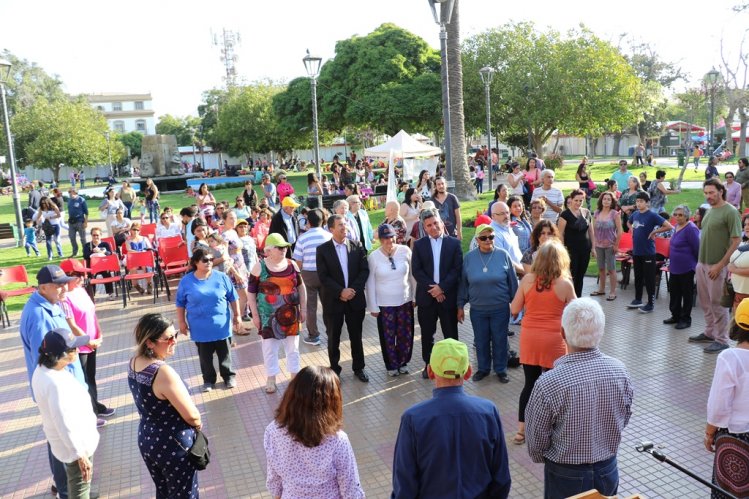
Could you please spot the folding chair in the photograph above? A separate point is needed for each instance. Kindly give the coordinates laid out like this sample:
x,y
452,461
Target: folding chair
x,y
140,259
624,257
110,240
174,261
110,267
662,249
149,231
13,275
170,241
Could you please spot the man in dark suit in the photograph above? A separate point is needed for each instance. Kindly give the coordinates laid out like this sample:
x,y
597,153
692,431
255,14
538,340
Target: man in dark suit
x,y
436,285
343,270
286,223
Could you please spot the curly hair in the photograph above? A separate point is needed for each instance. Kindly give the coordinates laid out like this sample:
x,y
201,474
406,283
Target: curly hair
x,y
552,262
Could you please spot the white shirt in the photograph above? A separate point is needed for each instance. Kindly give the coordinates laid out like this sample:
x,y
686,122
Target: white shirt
x,y
68,419
388,287
554,196
436,244
162,231
342,252
728,403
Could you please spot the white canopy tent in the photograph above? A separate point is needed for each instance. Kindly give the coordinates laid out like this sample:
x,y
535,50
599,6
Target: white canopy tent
x,y
416,155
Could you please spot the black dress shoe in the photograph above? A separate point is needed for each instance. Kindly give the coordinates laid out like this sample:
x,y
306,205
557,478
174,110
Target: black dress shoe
x,y
671,320
362,376
425,374
683,325
479,375
503,378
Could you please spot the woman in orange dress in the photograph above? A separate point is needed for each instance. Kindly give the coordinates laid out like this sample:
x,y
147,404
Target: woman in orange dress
x,y
543,292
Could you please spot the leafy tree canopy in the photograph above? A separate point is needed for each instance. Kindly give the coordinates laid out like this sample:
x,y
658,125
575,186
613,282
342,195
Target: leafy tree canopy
x,y
183,128
133,141
577,83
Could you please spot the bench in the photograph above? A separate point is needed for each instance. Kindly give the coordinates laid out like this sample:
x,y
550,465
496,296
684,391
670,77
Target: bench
x,y
8,231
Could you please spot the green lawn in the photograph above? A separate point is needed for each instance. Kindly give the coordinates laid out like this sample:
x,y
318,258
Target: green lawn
x,y
15,256
602,168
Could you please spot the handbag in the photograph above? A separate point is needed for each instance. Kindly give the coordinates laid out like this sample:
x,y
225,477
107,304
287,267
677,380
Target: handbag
x,y
591,185
726,299
48,228
199,453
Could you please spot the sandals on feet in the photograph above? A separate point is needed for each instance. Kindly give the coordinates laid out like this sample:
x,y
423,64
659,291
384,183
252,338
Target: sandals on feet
x,y
270,386
598,293
611,298
519,438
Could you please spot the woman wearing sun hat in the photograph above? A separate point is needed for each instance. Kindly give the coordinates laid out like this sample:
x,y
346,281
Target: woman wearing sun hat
x,y
278,301
488,283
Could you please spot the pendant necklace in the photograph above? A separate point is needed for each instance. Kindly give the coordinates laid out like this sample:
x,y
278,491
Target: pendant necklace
x,y
485,269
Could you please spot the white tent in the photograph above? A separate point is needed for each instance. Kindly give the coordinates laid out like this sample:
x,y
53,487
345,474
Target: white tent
x,y
403,146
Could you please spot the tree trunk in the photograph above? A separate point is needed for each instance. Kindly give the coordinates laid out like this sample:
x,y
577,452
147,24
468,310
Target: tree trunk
x,y
464,189
743,118
617,144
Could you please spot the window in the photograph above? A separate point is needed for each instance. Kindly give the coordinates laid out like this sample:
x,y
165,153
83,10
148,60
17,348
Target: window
x,y
119,126
117,106
139,105
140,125
100,108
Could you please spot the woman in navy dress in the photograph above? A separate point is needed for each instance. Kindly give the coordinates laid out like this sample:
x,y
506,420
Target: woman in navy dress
x,y
168,417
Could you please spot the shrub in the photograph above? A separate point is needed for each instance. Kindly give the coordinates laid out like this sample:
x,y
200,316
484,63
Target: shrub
x,y
554,161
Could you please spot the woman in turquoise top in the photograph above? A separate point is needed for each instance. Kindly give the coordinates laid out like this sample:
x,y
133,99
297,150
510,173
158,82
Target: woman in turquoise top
x,y
519,222
204,299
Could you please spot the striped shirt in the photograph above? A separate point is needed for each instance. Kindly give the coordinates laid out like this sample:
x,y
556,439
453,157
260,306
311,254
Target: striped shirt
x,y
306,247
578,409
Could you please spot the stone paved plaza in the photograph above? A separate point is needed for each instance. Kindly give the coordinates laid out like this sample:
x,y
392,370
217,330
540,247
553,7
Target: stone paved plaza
x,y
671,377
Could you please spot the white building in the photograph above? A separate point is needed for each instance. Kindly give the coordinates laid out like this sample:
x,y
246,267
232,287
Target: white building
x,y
126,113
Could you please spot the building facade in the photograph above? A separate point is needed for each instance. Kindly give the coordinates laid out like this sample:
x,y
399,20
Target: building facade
x,y
126,113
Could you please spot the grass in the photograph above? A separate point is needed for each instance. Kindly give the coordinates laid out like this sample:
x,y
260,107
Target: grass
x,y
602,169
17,256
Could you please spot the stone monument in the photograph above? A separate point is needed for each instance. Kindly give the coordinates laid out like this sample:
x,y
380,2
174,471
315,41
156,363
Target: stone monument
x,y
160,161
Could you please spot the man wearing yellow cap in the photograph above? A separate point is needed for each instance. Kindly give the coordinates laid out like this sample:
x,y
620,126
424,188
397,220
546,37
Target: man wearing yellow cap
x,y
286,223
453,444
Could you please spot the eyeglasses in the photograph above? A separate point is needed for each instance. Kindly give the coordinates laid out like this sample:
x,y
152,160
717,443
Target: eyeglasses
x,y
678,214
537,207
206,260
170,339
165,218
240,200
490,237
392,262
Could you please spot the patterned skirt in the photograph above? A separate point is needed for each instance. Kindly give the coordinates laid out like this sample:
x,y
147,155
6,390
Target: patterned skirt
x,y
731,466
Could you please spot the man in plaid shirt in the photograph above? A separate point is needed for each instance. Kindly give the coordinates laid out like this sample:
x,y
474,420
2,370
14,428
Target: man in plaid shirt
x,y
578,409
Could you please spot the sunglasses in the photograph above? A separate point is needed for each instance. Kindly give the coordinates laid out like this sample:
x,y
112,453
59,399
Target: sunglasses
x,y
165,218
490,237
206,260
170,339
392,262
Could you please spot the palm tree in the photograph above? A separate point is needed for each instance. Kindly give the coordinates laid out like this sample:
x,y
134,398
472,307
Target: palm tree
x,y
464,189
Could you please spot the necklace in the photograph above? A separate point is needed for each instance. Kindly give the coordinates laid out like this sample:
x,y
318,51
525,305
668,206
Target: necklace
x,y
485,269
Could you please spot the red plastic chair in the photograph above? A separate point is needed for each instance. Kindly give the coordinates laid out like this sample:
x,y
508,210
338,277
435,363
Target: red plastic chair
x,y
135,260
149,231
10,276
662,248
110,241
174,261
72,265
624,257
110,267
170,242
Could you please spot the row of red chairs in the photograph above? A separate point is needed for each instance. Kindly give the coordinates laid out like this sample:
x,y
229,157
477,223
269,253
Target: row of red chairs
x,y
624,257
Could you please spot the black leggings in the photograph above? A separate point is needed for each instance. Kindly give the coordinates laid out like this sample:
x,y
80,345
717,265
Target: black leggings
x,y
532,373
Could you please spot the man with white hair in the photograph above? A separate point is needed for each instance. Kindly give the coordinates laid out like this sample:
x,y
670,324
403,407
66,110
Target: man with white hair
x,y
360,222
552,196
578,410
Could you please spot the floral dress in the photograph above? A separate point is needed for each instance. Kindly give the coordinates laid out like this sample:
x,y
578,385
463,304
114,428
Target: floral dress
x,y
277,301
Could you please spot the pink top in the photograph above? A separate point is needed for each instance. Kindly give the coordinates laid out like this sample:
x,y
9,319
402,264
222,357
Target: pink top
x,y
327,471
284,189
78,306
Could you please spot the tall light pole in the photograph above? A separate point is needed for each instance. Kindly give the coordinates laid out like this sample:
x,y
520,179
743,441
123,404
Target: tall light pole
x,y
4,75
711,78
442,18
527,99
109,152
487,74
312,65
202,149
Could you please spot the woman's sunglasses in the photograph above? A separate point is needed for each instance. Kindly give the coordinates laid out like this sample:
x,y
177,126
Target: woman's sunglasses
x,y
490,237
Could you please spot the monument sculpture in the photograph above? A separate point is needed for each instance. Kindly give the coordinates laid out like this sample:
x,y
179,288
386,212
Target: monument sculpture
x,y
160,156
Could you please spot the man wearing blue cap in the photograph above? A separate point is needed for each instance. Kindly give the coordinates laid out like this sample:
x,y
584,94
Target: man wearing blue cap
x,y
40,315
453,444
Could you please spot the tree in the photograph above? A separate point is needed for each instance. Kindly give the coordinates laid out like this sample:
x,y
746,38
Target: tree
x,y
132,141
61,133
184,129
463,188
208,112
577,84
246,122
734,85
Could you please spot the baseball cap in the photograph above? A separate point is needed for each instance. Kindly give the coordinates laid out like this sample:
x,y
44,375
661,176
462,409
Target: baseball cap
x,y
52,274
57,341
449,359
481,228
385,231
289,201
276,240
481,220
742,314
242,222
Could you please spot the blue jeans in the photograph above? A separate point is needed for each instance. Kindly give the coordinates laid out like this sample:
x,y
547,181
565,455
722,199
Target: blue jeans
x,y
153,211
56,239
128,209
490,336
59,474
564,480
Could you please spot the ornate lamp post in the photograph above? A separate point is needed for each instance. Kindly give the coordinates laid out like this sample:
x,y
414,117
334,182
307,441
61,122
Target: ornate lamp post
x,y
487,74
442,18
4,75
312,65
711,78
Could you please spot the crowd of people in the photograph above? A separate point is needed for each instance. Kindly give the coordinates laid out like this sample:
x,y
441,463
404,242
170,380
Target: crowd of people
x,y
263,264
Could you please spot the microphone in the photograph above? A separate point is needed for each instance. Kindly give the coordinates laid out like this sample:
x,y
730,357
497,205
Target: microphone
x,y
645,446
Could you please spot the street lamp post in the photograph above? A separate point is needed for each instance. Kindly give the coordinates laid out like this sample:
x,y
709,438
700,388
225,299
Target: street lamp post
x,y
202,150
109,152
312,65
442,18
487,74
527,98
4,75
711,78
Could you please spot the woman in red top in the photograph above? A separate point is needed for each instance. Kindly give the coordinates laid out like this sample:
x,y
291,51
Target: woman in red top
x,y
543,293
283,188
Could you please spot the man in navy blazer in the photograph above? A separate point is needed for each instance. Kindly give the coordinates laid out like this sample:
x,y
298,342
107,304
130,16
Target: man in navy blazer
x,y
343,270
436,286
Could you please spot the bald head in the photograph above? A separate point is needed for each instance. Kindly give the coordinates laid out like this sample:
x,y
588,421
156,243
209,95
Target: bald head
x,y
501,213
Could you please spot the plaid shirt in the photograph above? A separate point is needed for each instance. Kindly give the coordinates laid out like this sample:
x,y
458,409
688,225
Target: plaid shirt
x,y
577,410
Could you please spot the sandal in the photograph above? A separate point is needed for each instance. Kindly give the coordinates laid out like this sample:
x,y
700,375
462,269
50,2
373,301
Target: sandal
x,y
598,293
270,386
611,298
519,438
